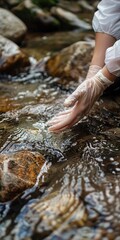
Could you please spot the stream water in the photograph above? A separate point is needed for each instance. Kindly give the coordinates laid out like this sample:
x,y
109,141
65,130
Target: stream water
x,y
77,193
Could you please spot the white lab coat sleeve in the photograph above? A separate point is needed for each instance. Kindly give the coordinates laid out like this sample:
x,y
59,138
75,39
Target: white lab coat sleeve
x,y
112,59
107,18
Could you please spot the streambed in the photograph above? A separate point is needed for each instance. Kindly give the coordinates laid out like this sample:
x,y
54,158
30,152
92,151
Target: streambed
x,y
77,193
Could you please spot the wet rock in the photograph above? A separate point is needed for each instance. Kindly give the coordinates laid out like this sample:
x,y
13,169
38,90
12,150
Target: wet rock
x,y
113,133
34,17
72,62
113,88
117,98
11,56
18,171
85,5
70,6
68,19
45,3
7,104
54,212
10,26
9,3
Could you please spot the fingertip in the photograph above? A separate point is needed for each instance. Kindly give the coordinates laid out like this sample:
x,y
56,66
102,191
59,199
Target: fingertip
x,y
51,129
68,103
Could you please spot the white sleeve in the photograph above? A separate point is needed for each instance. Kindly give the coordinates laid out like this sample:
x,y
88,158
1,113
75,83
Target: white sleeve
x,y
112,59
107,18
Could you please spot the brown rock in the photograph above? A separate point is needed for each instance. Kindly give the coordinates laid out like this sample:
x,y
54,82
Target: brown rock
x,y
18,171
11,26
114,133
7,104
11,56
72,62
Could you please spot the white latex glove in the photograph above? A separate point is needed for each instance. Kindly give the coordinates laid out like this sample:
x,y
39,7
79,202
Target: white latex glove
x,y
82,100
93,70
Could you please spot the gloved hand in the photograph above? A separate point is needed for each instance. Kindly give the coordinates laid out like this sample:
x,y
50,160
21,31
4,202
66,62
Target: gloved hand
x,y
82,100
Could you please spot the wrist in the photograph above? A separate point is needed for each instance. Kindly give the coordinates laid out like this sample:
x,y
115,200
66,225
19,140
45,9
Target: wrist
x,y
108,75
93,69
103,80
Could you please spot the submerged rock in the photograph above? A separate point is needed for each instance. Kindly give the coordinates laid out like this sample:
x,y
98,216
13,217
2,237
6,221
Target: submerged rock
x,y
72,62
35,18
7,104
11,56
18,171
53,213
10,26
113,133
69,19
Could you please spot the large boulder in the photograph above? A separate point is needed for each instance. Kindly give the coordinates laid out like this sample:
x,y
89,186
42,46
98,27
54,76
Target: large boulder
x,y
18,171
11,57
10,26
72,62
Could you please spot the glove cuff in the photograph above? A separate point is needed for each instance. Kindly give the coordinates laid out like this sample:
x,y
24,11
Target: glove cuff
x,y
104,80
93,70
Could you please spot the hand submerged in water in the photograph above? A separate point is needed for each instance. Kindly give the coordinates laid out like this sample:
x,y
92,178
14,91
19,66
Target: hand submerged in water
x,y
80,101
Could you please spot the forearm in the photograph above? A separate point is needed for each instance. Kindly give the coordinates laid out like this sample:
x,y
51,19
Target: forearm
x,y
102,42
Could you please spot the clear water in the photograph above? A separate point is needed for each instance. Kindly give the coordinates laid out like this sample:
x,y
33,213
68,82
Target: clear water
x,y
77,193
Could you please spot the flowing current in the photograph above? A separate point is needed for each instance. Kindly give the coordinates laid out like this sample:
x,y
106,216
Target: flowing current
x,y
77,192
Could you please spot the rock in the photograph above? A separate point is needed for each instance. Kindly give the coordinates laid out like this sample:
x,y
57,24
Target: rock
x,y
69,19
45,3
10,26
85,5
18,171
13,2
113,88
56,211
34,17
7,104
72,62
70,6
9,3
113,133
11,56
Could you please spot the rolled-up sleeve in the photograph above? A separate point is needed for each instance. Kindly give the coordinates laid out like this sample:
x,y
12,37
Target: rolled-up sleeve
x,y
112,59
107,18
